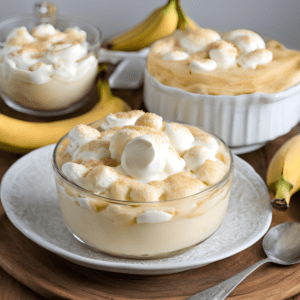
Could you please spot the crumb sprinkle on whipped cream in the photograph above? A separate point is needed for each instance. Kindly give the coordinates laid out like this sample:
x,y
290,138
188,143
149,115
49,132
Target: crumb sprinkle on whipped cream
x,y
46,51
135,156
224,52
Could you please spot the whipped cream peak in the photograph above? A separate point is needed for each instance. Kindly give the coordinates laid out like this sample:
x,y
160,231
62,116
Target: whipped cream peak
x,y
120,119
174,163
202,65
245,40
197,156
100,178
197,39
75,34
43,30
19,37
223,53
144,157
176,55
69,53
257,57
108,134
207,171
165,46
206,141
79,135
150,120
40,73
95,149
123,136
75,172
180,137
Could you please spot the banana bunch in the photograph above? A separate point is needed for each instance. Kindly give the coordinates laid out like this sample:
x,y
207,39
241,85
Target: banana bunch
x,y
22,136
161,22
283,175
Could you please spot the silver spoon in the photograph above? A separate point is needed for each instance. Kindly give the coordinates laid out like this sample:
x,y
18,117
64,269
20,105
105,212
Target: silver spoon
x,y
282,246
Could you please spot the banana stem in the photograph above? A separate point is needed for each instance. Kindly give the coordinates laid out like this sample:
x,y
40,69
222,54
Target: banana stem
x,y
281,190
280,204
183,20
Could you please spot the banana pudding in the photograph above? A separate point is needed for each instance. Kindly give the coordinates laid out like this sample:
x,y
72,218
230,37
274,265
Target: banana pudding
x,y
235,85
47,69
201,60
132,185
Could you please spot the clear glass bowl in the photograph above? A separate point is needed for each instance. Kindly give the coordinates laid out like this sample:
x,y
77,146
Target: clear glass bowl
x,y
111,225
57,96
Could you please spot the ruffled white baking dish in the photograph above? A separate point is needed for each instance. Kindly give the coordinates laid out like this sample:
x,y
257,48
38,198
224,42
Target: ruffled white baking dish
x,y
244,122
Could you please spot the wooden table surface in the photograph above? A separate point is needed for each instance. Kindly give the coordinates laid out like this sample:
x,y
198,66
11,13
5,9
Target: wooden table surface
x,y
11,289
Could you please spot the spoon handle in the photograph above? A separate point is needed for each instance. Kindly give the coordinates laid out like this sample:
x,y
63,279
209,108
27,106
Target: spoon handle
x,y
223,289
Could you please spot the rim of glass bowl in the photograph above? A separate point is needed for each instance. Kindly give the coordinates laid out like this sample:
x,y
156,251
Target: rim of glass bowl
x,y
216,186
97,31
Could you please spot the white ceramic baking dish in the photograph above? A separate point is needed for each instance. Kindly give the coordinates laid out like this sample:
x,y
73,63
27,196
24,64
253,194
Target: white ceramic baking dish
x,y
245,122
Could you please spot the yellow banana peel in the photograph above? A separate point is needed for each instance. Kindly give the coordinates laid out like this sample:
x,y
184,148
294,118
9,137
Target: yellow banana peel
x,y
160,23
283,175
136,30
22,136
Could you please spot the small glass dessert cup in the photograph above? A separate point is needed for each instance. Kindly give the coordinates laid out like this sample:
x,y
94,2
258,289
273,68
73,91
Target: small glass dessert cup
x,y
210,85
53,72
139,229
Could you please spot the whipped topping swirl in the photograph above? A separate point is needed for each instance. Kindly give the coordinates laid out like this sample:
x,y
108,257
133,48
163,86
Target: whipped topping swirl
x,y
145,159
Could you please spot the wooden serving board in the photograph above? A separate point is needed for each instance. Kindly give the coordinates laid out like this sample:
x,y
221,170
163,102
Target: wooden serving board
x,y
54,277
51,276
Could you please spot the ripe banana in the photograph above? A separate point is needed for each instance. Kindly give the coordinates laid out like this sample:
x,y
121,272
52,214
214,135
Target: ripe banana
x,y
283,175
136,30
183,20
22,136
160,23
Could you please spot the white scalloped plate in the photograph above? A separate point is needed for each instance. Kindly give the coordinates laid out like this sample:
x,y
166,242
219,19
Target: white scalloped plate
x,y
28,195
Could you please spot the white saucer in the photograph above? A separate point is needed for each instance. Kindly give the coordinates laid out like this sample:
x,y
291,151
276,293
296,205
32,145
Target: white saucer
x,y
29,199
246,149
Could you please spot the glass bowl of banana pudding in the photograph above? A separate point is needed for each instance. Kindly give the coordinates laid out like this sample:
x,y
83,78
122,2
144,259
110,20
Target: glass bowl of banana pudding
x,y
234,84
48,62
134,186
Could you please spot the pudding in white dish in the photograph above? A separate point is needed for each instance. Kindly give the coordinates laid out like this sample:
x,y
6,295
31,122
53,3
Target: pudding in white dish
x,y
235,85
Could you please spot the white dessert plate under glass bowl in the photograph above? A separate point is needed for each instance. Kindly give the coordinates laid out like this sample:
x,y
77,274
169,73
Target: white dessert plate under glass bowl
x,y
29,198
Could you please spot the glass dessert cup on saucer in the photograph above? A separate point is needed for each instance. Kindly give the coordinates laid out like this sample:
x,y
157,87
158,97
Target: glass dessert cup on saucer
x,y
118,227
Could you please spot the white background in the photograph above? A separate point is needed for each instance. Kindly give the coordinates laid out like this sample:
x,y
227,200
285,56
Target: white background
x,y
278,19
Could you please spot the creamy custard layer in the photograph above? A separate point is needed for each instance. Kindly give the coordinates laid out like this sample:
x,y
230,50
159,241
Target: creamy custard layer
x,y
144,239
55,94
281,73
